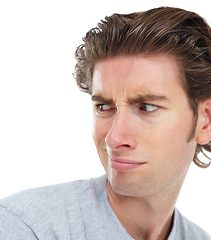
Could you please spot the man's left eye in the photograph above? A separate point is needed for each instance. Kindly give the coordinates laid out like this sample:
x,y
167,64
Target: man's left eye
x,y
148,107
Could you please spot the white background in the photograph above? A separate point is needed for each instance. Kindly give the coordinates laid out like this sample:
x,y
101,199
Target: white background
x,y
45,121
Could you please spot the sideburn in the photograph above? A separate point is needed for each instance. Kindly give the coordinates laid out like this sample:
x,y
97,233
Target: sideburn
x,y
194,108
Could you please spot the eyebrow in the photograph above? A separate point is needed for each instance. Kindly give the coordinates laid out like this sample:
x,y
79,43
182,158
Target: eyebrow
x,y
98,98
139,98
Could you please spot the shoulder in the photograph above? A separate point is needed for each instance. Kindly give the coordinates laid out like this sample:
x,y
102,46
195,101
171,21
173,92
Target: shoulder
x,y
187,229
48,196
43,198
48,209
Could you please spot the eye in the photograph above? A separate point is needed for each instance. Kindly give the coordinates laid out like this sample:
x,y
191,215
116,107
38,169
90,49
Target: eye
x,y
148,107
104,109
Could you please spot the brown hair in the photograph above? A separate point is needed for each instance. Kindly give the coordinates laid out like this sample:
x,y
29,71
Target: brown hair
x,y
184,34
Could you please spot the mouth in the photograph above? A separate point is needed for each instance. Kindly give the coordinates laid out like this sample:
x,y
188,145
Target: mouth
x,y
124,164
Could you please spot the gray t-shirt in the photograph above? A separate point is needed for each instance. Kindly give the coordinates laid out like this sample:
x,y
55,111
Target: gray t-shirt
x,y
78,210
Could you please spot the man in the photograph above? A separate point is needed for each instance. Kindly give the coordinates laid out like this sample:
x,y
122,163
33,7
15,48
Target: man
x,y
149,77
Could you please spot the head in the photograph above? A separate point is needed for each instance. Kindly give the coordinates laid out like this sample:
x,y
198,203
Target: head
x,y
183,35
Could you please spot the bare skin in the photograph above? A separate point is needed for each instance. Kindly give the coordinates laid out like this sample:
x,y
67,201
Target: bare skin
x,y
142,139
154,223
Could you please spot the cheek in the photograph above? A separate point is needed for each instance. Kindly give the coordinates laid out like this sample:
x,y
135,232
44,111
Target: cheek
x,y
171,143
99,132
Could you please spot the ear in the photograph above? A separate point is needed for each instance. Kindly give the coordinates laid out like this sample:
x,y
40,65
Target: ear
x,y
204,122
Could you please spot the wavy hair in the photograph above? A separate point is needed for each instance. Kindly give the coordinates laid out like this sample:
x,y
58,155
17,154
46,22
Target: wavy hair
x,y
174,31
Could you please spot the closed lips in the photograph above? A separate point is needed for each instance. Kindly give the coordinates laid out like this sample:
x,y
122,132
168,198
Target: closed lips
x,y
125,161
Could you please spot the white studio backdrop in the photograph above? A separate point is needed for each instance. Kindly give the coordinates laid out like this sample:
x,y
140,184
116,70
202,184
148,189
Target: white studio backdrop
x,y
45,121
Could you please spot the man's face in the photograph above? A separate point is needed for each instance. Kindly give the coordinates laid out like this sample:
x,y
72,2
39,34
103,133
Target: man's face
x,y
142,122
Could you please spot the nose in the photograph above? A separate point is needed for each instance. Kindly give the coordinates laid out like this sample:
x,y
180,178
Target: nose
x,y
121,135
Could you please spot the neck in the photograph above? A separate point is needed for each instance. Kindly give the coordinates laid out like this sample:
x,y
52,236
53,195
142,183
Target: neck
x,y
144,218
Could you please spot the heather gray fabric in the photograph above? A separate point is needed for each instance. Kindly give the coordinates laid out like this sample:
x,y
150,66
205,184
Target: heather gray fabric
x,y
79,210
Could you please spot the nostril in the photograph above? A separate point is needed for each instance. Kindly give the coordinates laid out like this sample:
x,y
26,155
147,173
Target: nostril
x,y
123,146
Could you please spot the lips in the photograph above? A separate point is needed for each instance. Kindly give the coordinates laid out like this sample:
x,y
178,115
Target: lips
x,y
124,164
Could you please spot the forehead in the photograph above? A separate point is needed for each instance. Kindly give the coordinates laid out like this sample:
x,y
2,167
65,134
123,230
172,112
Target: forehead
x,y
125,75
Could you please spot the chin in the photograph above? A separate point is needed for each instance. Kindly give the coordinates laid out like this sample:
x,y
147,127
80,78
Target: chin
x,y
125,184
